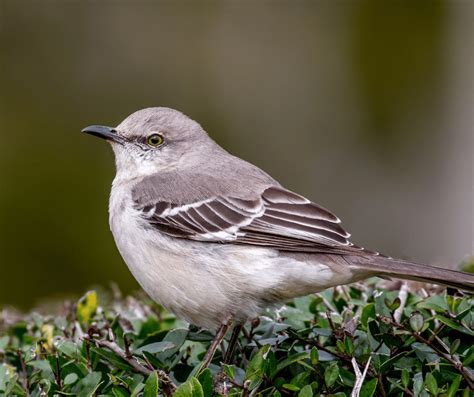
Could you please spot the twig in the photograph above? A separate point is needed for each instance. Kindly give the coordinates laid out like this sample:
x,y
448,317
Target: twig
x,y
380,385
328,304
127,344
402,295
452,360
57,373
320,346
359,376
163,376
26,383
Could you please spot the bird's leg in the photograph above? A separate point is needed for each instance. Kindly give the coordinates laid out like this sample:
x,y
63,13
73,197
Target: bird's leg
x,y
232,343
216,342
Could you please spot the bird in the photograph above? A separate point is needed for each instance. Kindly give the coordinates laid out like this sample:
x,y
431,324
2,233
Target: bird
x,y
215,239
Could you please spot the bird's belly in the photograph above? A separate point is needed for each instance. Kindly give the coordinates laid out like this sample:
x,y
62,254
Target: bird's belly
x,y
204,283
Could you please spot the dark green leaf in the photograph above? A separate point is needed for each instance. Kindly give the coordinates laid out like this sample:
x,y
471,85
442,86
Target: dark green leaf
x,y
331,374
368,312
452,324
256,366
454,346
87,386
453,389
205,378
368,388
290,360
349,346
112,358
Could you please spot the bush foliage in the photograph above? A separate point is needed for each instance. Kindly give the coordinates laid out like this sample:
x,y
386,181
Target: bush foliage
x,y
358,340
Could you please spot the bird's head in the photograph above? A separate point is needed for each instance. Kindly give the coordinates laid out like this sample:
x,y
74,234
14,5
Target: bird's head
x,y
153,140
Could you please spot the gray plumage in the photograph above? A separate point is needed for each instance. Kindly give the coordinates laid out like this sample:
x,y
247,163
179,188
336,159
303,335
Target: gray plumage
x,y
210,235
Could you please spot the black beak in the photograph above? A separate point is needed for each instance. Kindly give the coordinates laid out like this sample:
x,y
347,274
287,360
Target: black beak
x,y
104,132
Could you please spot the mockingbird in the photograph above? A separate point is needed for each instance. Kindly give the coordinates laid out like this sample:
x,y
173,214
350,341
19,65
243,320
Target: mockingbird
x,y
215,239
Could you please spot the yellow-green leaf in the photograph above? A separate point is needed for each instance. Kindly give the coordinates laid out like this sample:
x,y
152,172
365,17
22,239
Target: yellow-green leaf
x,y
86,307
151,385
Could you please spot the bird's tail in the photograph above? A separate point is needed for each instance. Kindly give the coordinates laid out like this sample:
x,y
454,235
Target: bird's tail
x,y
388,267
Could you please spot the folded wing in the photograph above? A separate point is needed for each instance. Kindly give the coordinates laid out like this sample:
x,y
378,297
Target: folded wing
x,y
278,218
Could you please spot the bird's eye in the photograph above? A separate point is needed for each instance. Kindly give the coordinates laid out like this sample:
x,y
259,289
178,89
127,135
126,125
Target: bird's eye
x,y
154,140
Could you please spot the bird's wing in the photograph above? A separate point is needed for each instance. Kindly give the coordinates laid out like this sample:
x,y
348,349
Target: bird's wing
x,y
276,218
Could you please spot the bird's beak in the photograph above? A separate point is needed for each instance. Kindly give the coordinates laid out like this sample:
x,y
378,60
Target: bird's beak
x,y
104,132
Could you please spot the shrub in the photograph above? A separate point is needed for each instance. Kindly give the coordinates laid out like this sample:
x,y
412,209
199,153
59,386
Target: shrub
x,y
347,341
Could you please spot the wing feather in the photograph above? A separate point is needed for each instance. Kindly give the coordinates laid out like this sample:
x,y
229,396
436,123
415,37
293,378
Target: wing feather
x,y
277,219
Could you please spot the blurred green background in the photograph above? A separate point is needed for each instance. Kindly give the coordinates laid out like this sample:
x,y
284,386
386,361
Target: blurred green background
x,y
364,106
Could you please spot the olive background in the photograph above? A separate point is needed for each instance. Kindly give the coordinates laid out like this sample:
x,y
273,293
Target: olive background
x,y
365,107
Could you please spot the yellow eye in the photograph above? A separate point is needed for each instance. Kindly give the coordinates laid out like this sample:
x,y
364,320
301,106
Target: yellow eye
x,y
154,140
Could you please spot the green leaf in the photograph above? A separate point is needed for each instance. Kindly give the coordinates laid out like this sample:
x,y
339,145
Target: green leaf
x,y
405,378
452,391
177,337
191,388
4,342
388,365
340,346
205,378
454,346
289,386
290,360
229,370
112,358
151,385
314,355
417,321
331,374
70,379
256,366
4,376
368,388
375,330
119,391
394,305
349,346
86,307
435,302
136,385
68,348
469,357
417,383
87,386
306,391
431,384
367,312
452,324
157,347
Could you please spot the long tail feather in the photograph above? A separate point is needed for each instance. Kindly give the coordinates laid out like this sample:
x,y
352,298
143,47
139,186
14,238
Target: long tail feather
x,y
379,265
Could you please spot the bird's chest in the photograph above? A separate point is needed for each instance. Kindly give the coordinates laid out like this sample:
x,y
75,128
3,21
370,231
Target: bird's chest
x,y
170,270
